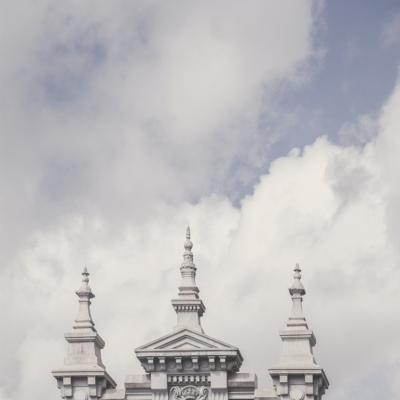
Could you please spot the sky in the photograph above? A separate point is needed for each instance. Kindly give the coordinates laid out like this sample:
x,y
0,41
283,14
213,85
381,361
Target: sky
x,y
271,128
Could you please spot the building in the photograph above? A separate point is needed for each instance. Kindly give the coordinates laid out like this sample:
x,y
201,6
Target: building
x,y
187,364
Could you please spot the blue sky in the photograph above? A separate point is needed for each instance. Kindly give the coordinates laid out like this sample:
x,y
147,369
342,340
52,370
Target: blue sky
x,y
271,128
354,77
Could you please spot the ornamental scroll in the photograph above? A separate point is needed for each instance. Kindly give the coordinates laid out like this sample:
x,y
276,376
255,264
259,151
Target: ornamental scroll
x,y
189,392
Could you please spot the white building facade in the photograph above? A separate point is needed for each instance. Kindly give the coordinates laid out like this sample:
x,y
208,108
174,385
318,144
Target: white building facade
x,y
187,364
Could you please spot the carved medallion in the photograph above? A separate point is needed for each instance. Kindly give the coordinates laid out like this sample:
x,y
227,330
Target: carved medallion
x,y
80,395
171,364
297,394
189,393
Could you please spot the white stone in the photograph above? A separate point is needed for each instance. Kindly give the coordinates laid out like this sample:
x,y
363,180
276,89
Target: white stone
x,y
187,364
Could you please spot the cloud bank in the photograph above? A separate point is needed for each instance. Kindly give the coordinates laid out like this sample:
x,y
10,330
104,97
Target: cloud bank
x,y
126,124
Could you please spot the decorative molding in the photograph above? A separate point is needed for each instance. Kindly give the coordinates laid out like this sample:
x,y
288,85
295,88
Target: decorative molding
x,y
187,308
189,393
220,395
150,361
161,361
66,388
195,361
160,395
185,379
178,361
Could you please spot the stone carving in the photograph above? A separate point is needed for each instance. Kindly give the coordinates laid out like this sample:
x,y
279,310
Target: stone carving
x,y
80,395
297,394
186,364
171,364
189,393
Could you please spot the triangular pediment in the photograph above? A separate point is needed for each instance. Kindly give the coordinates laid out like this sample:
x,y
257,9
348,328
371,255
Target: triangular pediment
x,y
186,346
185,339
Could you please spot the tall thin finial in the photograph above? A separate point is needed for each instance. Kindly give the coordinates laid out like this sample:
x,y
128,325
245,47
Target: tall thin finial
x,y
188,244
85,283
84,319
189,306
296,319
297,286
188,255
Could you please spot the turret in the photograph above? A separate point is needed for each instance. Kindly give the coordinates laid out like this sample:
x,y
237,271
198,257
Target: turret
x,y
83,375
297,376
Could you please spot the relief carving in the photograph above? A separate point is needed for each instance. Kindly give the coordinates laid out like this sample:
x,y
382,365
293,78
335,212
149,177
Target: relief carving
x,y
189,393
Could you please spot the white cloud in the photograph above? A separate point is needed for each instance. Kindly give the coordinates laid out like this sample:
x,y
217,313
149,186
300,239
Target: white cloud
x,y
329,207
109,106
359,132
123,119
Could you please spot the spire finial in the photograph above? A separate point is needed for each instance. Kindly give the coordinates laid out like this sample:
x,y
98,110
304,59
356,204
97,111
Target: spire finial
x,y
85,283
188,244
189,306
84,320
296,319
297,286
188,271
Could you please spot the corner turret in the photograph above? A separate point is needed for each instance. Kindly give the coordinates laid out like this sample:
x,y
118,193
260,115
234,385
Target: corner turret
x,y
297,376
83,375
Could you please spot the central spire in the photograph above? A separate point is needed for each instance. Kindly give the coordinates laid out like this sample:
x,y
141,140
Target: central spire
x,y
189,307
297,319
188,288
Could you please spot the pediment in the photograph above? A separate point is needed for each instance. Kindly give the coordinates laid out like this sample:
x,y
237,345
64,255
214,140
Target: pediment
x,y
186,346
185,340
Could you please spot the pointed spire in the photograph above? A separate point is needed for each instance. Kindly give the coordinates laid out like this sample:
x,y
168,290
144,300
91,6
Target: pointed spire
x,y
297,357
83,359
297,319
188,287
189,306
84,320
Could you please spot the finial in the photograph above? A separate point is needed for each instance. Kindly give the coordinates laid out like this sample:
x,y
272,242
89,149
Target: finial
x,y
84,320
297,286
85,283
189,307
188,260
188,244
